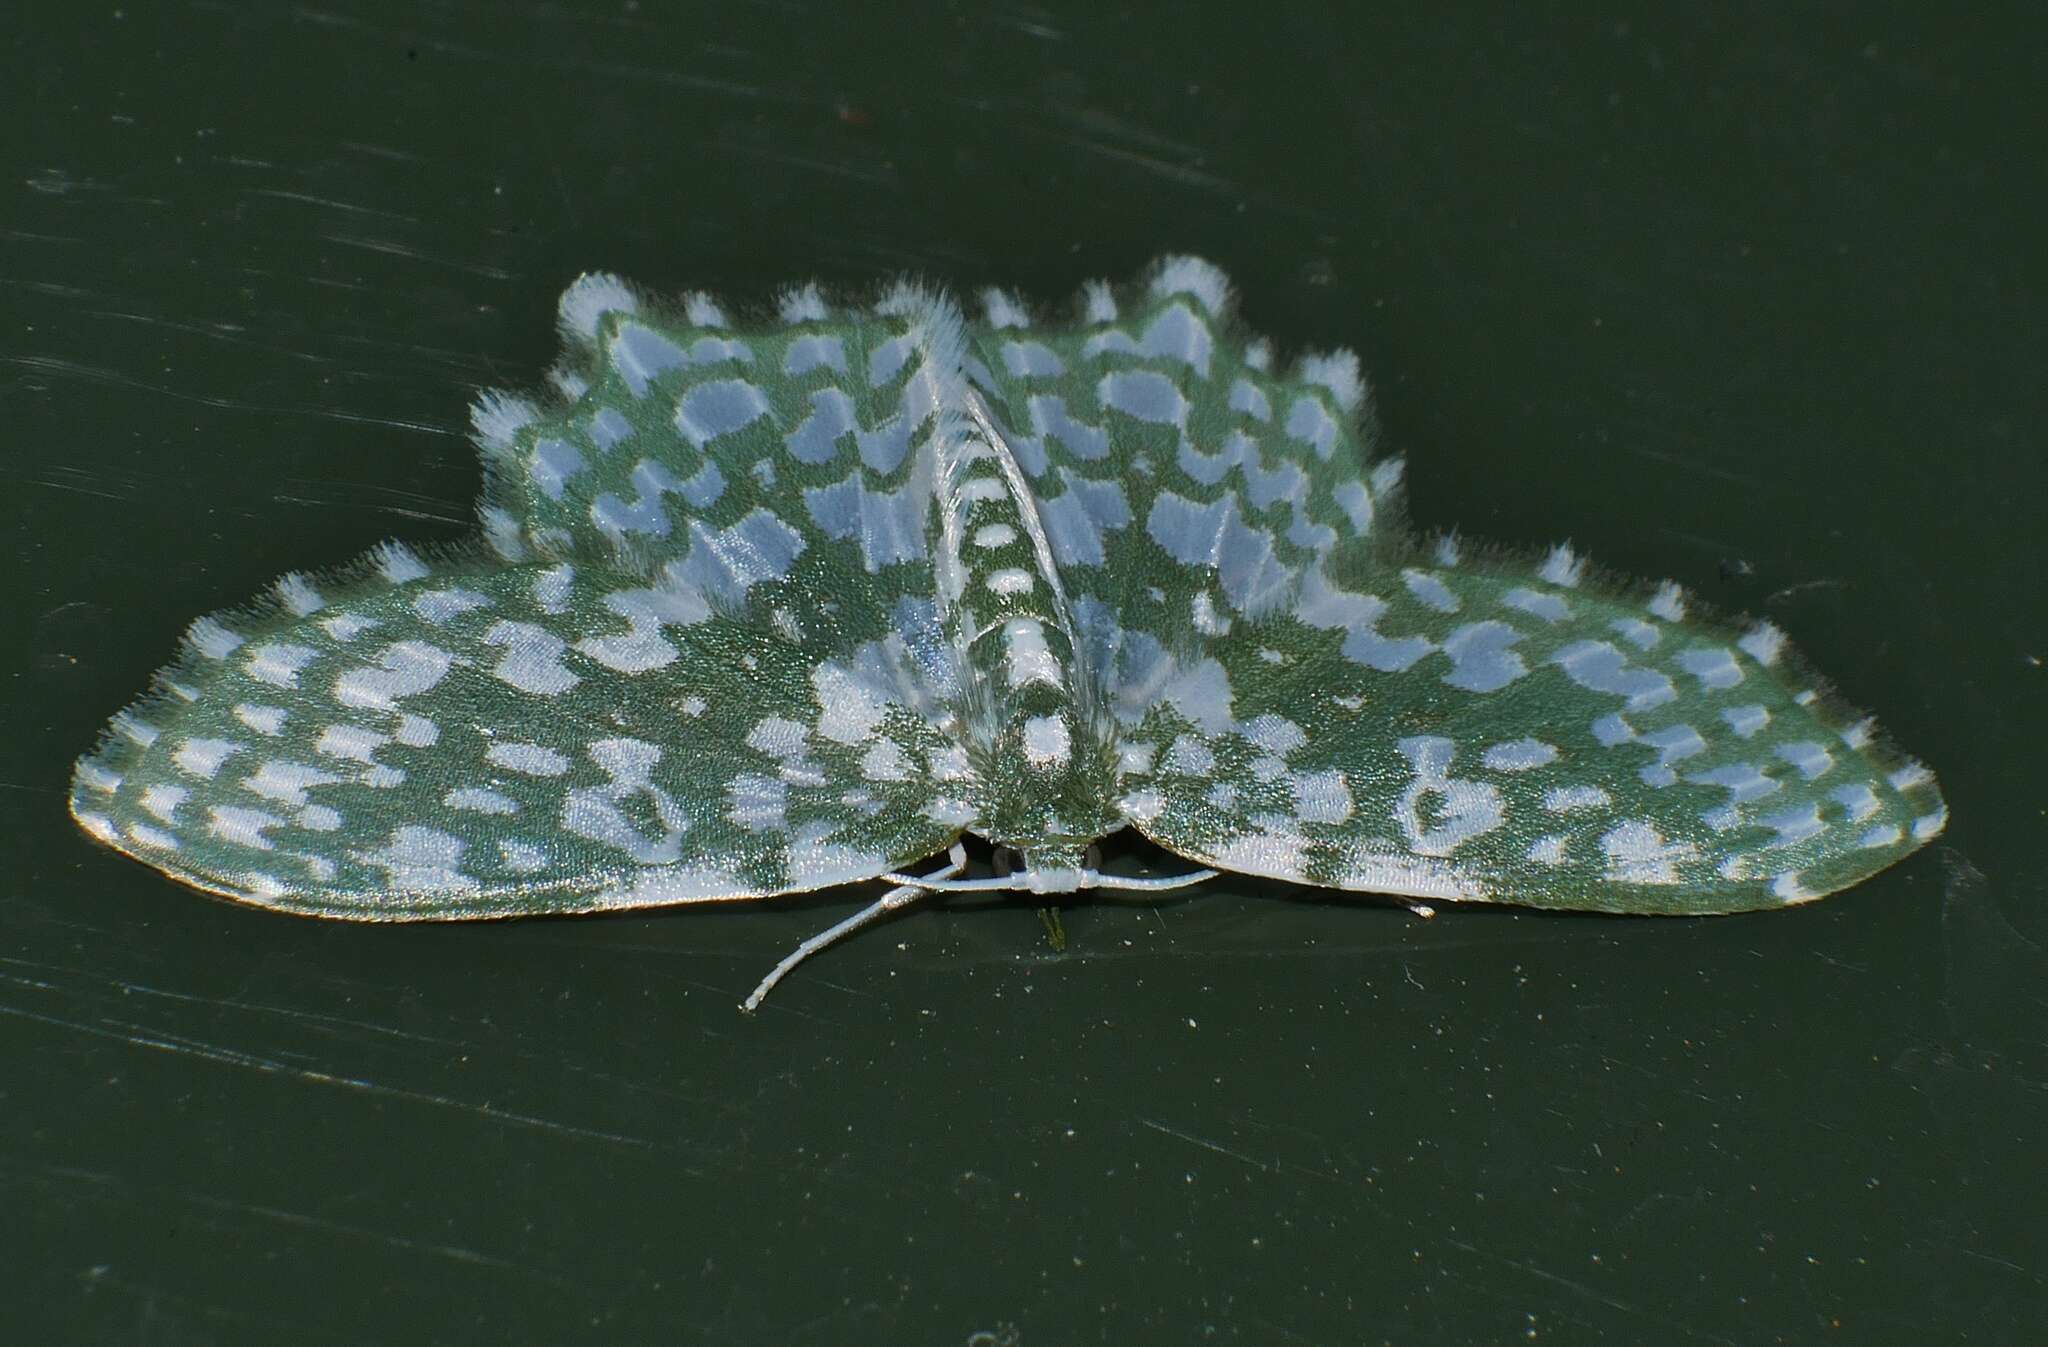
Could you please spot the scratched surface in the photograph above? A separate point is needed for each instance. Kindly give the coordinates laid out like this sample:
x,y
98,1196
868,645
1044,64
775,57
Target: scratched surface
x,y
1749,303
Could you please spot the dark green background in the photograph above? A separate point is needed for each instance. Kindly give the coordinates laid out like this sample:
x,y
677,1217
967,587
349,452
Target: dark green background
x,y
1754,301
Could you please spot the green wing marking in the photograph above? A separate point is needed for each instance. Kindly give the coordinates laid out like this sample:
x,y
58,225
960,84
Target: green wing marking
x,y
466,738
766,606
1482,732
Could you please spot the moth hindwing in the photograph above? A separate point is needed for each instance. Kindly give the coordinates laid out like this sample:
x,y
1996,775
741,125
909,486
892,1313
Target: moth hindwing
x,y
759,606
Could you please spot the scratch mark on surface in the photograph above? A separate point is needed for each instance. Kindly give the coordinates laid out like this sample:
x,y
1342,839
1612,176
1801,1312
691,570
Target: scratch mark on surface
x,y
158,1310
138,1036
1030,21
1208,1145
55,288
26,236
307,198
2005,1263
306,1220
71,369
232,334
882,174
1588,1292
393,248
382,151
1180,173
427,516
1804,585
81,487
1694,463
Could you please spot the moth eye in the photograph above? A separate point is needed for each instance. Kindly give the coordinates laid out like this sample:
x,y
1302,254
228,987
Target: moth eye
x,y
1007,860
1091,857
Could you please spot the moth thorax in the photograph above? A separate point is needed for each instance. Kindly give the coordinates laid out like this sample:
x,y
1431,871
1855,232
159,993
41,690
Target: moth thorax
x,y
1016,653
1049,778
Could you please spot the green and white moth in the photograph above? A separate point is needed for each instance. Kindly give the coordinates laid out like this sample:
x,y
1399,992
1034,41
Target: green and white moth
x,y
762,608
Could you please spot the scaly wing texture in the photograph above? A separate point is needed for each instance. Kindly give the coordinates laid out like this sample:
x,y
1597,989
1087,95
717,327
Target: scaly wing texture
x,y
1518,735
708,454
697,658
470,738
702,654
1184,480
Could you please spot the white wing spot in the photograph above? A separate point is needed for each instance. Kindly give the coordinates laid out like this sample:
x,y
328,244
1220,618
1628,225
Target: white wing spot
x,y
1275,734
1795,824
1142,806
1601,667
1858,800
1812,759
421,860
1430,590
1564,799
480,800
757,803
399,565
1462,810
278,664
1714,666
532,662
286,782
1638,854
885,761
1745,721
163,801
1047,741
1764,643
1010,580
352,742
1189,756
138,732
439,606
1322,797
242,827
1787,887
719,408
203,757
850,708
1549,607
1519,755
267,720
211,639
1909,776
527,759
1668,603
298,596
1562,567
345,627
1202,612
406,669
522,858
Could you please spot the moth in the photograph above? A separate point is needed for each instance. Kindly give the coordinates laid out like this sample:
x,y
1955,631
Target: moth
x,y
767,607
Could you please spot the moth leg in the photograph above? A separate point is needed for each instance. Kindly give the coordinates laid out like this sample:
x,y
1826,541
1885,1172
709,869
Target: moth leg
x,y
901,896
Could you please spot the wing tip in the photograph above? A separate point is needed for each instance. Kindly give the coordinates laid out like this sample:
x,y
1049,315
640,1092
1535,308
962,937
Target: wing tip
x,y
496,418
1196,277
581,310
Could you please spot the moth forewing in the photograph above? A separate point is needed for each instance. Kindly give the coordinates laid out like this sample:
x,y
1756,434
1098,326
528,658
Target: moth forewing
x,y
762,606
